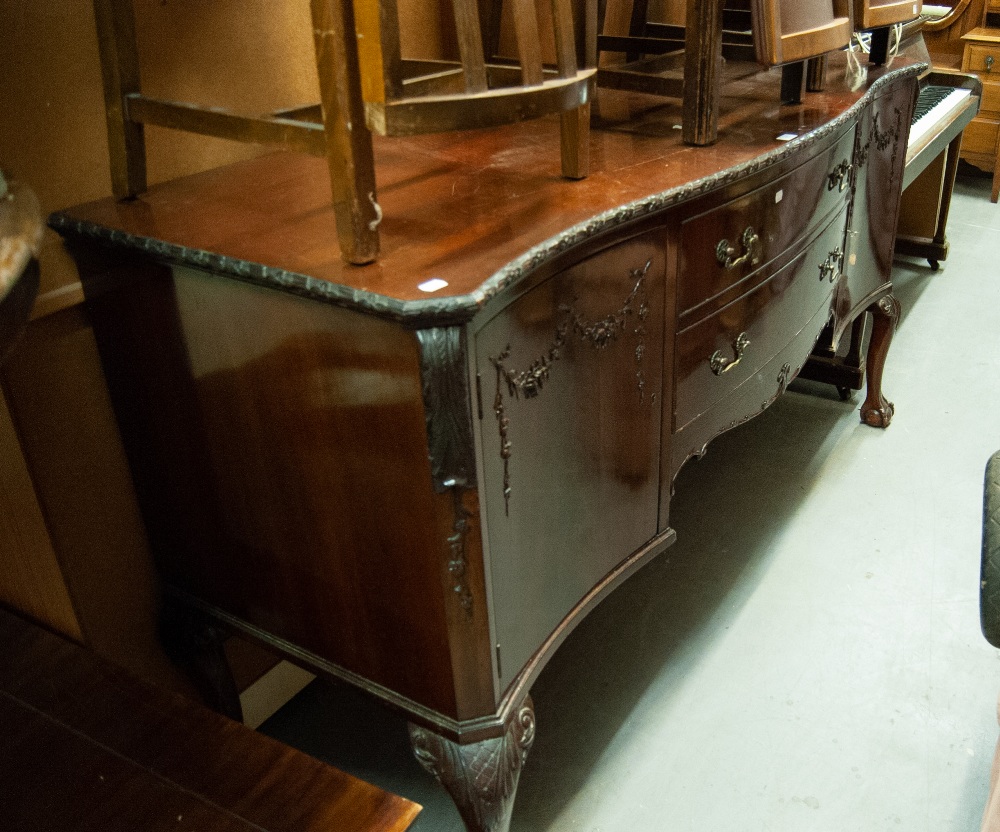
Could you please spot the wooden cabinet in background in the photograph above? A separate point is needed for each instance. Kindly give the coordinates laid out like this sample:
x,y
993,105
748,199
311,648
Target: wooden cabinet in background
x,y
981,145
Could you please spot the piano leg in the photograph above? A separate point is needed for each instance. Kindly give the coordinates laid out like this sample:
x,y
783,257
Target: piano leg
x,y
877,410
481,777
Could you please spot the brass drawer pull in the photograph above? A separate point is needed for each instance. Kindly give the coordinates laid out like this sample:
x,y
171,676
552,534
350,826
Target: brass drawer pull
x,y
989,63
720,364
832,266
840,178
727,255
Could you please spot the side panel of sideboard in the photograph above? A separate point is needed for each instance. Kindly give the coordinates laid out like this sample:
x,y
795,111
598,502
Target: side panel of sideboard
x,y
280,451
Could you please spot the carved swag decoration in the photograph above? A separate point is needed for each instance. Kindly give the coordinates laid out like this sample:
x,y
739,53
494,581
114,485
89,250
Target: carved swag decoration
x,y
882,139
599,334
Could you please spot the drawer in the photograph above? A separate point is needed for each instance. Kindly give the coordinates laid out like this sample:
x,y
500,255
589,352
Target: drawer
x,y
990,106
759,226
720,352
980,137
750,398
983,58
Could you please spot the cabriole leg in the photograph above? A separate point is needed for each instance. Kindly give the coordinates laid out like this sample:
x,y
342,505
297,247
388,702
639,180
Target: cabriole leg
x,y
481,777
877,410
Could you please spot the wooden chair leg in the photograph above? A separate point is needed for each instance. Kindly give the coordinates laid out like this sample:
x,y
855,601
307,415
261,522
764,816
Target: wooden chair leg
x,y
575,142
702,71
115,21
348,140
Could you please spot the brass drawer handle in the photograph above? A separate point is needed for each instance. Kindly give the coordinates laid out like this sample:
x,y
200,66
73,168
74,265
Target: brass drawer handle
x,y
840,178
726,253
989,63
832,266
720,364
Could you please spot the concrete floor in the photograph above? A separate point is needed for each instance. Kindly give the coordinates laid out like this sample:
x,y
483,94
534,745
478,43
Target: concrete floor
x,y
808,655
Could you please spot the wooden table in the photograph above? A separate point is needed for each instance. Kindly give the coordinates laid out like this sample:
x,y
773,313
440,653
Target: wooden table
x,y
418,476
84,746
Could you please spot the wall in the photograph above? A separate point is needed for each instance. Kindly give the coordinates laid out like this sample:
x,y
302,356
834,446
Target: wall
x,y
72,549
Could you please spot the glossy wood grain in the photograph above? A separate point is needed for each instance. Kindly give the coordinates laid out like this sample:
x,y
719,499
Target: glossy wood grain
x,y
260,436
88,747
576,442
457,206
423,490
781,210
769,315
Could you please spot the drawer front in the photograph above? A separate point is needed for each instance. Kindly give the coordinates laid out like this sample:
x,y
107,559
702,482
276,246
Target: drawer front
x,y
984,58
723,350
751,398
980,137
728,243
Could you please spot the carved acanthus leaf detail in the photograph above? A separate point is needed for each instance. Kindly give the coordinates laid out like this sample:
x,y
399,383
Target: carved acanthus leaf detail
x,y
481,777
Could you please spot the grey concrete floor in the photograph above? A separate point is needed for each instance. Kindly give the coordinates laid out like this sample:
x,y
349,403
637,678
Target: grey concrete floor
x,y
807,656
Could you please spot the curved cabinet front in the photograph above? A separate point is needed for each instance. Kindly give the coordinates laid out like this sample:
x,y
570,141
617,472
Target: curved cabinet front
x,y
571,374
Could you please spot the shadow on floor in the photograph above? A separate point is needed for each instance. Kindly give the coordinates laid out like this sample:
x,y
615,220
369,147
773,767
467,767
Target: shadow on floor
x,y
726,510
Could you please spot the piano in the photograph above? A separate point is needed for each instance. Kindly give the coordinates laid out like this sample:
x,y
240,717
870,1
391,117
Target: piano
x,y
946,103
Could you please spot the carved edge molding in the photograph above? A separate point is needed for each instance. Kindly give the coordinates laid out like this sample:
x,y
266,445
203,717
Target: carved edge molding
x,y
481,777
447,406
454,310
599,334
448,415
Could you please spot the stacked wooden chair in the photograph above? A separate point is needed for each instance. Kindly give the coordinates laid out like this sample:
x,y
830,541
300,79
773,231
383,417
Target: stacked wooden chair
x,y
367,85
661,57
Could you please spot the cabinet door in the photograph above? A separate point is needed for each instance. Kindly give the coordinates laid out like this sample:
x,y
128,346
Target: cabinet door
x,y
571,378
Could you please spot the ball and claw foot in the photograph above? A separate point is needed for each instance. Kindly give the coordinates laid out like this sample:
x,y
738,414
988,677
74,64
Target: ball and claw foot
x,y
878,417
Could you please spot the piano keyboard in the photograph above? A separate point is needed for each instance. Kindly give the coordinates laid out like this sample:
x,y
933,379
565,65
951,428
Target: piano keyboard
x,y
934,104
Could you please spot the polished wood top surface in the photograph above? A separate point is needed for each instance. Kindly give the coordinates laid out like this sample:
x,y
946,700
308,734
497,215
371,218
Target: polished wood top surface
x,y
461,206
85,746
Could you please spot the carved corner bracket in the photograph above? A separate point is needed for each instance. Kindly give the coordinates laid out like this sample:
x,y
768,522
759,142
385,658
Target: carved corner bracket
x,y
448,416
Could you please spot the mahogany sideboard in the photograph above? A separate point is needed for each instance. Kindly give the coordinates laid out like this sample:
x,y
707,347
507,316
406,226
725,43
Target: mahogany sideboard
x,y
419,475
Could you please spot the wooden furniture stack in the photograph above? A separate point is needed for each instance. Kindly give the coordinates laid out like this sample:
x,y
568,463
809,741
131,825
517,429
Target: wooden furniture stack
x,y
981,56
368,85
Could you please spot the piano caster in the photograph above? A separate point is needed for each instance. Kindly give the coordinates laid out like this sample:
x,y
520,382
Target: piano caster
x,y
844,392
934,264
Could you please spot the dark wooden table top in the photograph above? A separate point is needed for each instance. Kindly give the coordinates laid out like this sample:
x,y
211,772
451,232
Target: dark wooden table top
x,y
461,206
84,746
